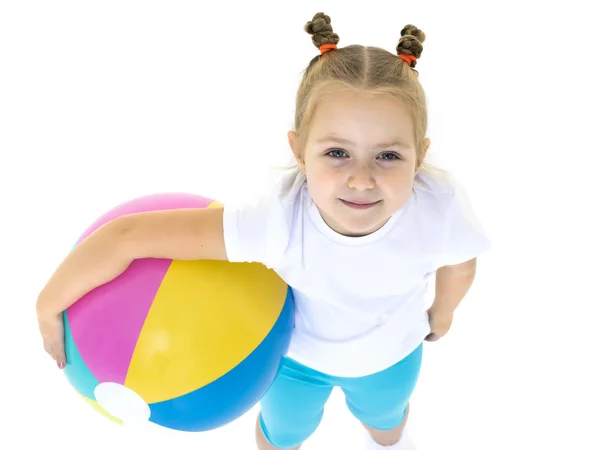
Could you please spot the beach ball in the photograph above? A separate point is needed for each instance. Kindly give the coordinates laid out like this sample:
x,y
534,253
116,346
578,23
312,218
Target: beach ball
x,y
185,345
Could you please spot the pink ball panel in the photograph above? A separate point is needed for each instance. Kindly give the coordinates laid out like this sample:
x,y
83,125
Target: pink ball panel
x,y
156,202
106,322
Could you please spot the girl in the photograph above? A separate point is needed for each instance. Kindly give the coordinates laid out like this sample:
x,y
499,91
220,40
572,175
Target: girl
x,y
358,229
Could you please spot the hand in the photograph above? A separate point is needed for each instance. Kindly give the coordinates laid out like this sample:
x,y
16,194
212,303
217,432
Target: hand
x,y
439,323
52,329
99,258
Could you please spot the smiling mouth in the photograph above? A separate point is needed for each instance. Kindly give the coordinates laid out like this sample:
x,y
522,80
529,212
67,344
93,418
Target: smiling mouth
x,y
359,205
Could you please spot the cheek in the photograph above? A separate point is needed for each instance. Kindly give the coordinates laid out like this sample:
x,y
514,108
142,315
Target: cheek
x,y
323,185
398,184
319,186
321,174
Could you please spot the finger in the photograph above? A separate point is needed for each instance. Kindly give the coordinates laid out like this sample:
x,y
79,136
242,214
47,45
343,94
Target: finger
x,y
48,348
61,358
56,355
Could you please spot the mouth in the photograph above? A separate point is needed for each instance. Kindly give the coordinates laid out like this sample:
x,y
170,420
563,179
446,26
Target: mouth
x,y
359,204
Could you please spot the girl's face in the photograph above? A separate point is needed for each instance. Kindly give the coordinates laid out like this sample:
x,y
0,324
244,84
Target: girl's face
x,y
359,159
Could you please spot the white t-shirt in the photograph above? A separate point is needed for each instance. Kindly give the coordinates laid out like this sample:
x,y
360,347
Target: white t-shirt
x,y
359,300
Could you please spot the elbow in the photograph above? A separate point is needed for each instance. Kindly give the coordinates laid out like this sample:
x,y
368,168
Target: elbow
x,y
467,267
119,234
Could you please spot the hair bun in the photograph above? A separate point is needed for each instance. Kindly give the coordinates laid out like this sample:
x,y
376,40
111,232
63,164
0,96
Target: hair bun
x,y
321,30
411,30
410,42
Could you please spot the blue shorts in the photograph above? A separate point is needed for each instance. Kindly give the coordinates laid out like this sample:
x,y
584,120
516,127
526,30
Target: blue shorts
x,y
293,406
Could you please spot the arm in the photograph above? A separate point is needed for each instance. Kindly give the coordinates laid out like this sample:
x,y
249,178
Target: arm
x,y
452,284
187,234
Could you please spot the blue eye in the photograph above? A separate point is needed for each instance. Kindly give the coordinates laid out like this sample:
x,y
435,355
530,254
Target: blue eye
x,y
392,156
337,153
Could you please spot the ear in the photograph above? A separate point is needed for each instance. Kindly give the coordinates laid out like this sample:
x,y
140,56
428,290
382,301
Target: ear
x,y
426,144
295,149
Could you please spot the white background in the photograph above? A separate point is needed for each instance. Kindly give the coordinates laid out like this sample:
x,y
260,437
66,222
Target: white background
x,y
101,102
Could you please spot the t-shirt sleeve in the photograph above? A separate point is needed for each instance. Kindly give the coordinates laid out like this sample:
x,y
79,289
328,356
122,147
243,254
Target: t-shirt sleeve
x,y
256,232
464,235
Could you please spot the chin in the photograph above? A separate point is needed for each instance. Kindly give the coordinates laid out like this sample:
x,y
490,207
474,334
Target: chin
x,y
362,229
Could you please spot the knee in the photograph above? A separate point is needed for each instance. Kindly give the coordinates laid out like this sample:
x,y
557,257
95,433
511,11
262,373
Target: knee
x,y
384,418
287,434
388,432
385,437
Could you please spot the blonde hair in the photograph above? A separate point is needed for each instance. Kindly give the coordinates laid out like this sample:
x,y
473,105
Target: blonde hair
x,y
367,69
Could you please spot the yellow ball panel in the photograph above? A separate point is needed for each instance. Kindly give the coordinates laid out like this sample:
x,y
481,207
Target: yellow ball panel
x,y
215,204
101,410
206,318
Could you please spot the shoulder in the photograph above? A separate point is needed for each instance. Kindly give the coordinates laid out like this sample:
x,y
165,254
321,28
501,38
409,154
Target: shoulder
x,y
278,198
464,235
435,182
289,186
441,196
434,191
284,198
259,229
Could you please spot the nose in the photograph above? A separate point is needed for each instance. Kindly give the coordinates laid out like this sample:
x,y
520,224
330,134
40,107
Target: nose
x,y
361,180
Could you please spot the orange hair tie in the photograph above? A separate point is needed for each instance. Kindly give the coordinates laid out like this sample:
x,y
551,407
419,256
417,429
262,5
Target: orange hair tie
x,y
326,47
407,58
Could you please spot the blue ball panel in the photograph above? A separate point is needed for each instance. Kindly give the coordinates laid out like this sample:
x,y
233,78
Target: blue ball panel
x,y
76,370
236,392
